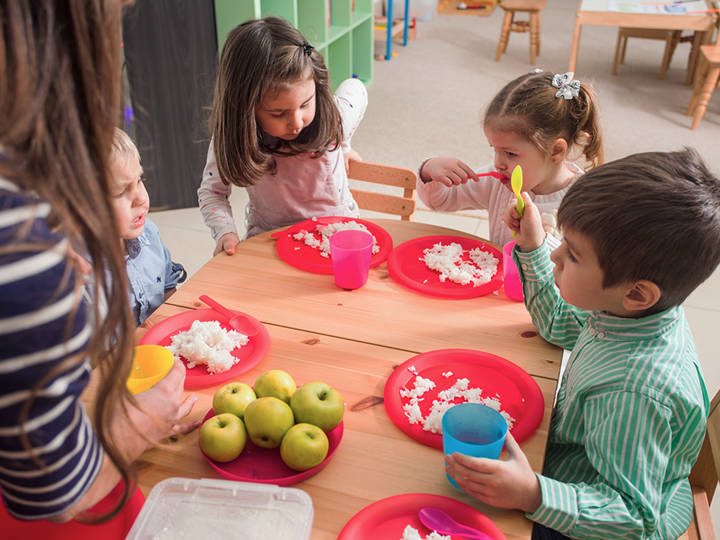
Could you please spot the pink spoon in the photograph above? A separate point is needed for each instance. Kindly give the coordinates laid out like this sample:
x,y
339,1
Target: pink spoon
x,y
494,174
239,323
437,520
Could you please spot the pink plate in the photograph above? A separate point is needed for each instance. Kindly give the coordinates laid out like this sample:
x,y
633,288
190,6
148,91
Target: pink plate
x,y
517,391
386,519
265,466
248,355
310,260
407,268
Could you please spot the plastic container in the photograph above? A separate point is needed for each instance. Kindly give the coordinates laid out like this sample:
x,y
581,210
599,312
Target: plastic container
x,y
351,252
183,508
422,10
150,364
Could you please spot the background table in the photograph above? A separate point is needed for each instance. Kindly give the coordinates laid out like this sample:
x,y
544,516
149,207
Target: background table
x,y
353,340
595,13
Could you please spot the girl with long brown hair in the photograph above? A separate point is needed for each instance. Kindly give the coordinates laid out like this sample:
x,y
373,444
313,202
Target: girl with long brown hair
x,y
59,100
279,132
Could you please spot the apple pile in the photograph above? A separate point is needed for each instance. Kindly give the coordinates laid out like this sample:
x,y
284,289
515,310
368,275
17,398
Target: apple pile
x,y
275,414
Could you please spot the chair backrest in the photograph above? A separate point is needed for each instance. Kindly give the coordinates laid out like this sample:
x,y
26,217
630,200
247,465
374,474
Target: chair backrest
x,y
403,206
704,477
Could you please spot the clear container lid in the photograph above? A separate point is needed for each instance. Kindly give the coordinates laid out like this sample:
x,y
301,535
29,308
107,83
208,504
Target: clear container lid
x,y
183,508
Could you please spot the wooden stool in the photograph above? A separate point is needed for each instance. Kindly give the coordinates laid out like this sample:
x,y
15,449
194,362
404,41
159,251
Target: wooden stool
x,y
706,82
511,7
667,36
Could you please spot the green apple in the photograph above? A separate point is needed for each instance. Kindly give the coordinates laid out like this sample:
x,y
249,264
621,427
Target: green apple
x,y
317,404
275,383
303,447
267,419
223,437
233,398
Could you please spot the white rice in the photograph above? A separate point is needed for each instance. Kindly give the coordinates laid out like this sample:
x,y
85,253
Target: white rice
x,y
206,342
411,533
446,399
326,231
448,261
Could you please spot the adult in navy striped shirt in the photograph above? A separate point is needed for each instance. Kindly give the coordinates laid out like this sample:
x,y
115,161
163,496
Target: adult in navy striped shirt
x,y
59,82
640,234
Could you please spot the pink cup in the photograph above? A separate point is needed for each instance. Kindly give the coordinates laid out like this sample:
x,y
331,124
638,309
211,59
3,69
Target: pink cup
x,y
513,286
350,252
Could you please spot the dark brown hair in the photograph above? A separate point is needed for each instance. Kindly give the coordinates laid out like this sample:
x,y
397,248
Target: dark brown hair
x,y
59,99
262,57
653,216
528,106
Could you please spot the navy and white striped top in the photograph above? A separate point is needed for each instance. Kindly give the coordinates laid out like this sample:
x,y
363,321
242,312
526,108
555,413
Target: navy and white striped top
x,y
41,325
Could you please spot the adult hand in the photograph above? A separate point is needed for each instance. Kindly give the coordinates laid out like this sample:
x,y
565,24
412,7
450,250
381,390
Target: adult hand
x,y
227,244
448,171
510,484
352,155
529,232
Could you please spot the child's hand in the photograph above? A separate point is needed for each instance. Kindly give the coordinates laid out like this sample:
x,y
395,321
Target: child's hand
x,y
508,484
530,234
448,171
227,244
352,155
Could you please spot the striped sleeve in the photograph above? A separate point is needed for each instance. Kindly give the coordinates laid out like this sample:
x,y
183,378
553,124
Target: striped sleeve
x,y
558,322
49,460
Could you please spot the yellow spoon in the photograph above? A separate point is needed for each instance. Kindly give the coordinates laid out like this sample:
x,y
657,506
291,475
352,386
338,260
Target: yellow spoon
x,y
516,183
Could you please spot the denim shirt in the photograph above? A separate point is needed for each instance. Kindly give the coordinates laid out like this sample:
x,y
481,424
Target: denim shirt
x,y
150,272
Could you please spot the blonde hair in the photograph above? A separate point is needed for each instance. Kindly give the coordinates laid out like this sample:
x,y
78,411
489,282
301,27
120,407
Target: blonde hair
x,y
528,107
123,146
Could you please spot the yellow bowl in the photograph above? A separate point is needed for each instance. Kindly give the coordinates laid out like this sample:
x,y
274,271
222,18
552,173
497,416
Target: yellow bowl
x,y
150,364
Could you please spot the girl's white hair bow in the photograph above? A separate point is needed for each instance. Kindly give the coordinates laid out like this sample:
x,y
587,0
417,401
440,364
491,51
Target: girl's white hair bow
x,y
568,88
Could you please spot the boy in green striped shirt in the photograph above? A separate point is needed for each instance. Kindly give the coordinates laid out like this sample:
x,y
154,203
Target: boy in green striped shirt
x,y
640,234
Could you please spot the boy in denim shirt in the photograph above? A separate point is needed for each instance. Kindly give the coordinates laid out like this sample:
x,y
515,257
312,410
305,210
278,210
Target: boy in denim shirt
x,y
151,273
640,234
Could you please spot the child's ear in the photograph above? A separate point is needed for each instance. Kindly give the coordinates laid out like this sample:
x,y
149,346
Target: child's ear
x,y
558,150
643,295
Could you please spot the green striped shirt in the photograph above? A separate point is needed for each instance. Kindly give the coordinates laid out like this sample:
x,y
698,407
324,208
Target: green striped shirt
x,y
629,419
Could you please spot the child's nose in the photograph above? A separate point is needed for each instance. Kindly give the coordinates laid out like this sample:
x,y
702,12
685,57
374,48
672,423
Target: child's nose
x,y
141,195
297,120
499,163
555,257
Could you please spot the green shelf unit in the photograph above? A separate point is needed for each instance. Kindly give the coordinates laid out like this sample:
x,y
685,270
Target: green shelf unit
x,y
342,30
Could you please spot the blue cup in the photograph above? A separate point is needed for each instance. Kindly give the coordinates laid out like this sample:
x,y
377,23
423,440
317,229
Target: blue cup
x,y
473,429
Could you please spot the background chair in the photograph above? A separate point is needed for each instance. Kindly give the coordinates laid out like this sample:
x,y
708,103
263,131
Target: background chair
x,y
389,176
705,83
511,7
704,478
671,38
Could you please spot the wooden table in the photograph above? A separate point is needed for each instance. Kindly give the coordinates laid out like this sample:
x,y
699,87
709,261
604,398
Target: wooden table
x,y
353,340
595,13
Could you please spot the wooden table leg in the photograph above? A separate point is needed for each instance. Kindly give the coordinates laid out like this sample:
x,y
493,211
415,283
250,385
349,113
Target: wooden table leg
x,y
504,35
700,38
575,43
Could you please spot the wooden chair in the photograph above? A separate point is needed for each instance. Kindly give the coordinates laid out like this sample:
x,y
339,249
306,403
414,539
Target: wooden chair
x,y
511,7
706,82
704,478
389,176
644,33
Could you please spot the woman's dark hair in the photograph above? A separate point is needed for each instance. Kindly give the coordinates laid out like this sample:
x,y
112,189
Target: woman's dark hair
x,y
59,101
260,58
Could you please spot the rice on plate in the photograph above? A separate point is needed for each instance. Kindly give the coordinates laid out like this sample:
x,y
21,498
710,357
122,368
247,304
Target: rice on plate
x,y
448,261
446,398
208,343
326,231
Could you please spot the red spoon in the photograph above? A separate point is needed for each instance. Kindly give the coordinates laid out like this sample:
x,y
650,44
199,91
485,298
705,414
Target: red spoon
x,y
494,174
437,520
240,323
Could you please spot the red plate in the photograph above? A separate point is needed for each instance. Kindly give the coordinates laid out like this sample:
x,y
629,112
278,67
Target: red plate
x,y
493,374
386,519
407,268
310,260
249,355
265,466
